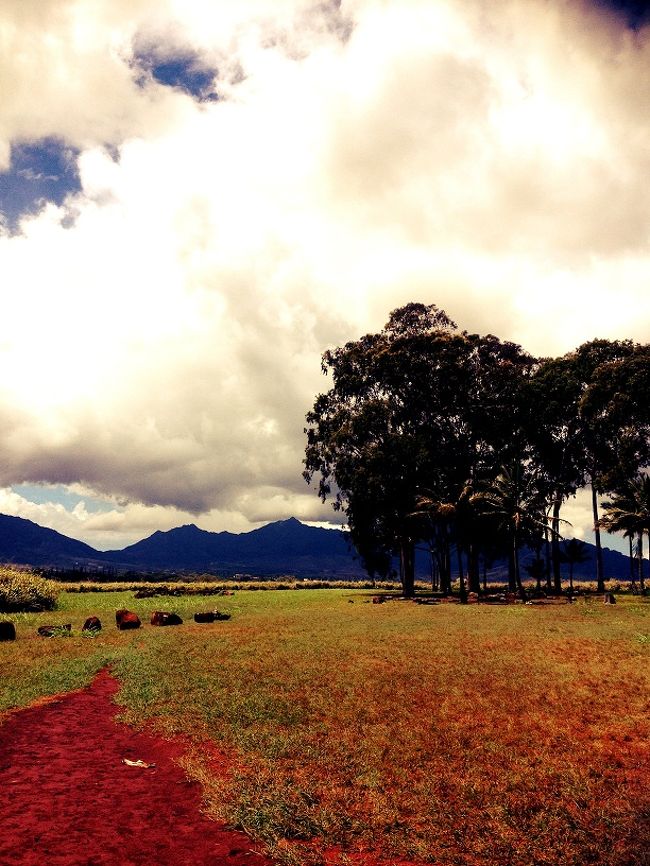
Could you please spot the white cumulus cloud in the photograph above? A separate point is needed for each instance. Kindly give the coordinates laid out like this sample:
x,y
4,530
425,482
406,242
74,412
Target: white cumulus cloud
x,y
162,329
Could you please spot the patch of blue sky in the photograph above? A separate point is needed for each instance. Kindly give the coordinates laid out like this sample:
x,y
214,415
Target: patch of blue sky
x,y
40,171
184,71
59,494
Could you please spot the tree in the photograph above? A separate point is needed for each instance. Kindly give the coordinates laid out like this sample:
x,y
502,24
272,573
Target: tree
x,y
370,437
416,410
514,500
628,512
574,552
555,433
600,427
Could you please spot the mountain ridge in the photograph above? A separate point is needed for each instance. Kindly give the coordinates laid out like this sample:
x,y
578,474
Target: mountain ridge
x,y
277,548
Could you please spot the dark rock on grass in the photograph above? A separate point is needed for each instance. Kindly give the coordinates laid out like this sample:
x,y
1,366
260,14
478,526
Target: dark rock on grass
x,y
55,630
126,619
93,623
211,616
163,617
7,630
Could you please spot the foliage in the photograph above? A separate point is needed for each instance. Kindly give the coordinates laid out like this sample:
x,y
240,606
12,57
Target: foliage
x,y
628,512
23,591
421,419
416,410
573,553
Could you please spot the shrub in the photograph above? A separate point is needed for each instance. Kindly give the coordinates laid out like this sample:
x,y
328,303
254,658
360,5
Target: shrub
x,y
22,591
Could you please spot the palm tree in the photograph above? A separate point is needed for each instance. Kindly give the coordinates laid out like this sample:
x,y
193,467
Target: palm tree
x,y
574,552
537,569
449,517
516,503
629,512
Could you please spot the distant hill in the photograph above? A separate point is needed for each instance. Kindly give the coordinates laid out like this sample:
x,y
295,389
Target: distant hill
x,y
283,547
27,543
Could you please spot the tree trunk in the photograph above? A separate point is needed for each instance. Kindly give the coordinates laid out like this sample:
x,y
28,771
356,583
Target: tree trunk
x,y
555,545
641,577
463,590
632,569
547,557
473,570
517,571
407,567
600,569
445,571
434,570
512,582
484,574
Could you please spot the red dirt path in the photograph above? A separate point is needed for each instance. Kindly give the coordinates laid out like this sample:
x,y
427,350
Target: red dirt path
x,y
66,798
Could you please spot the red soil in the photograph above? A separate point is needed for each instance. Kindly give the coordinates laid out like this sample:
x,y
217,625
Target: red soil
x,y
66,798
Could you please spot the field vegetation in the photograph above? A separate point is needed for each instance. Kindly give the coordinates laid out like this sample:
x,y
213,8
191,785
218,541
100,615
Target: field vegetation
x,y
24,591
446,734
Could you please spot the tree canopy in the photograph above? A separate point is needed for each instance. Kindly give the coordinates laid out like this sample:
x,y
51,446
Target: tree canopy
x,y
466,442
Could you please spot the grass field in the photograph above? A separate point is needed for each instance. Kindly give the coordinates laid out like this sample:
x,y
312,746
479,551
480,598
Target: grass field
x,y
444,734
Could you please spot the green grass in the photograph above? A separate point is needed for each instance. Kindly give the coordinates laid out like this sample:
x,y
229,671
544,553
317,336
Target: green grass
x,y
447,734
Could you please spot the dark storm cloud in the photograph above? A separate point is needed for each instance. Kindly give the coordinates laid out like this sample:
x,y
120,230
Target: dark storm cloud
x,y
636,13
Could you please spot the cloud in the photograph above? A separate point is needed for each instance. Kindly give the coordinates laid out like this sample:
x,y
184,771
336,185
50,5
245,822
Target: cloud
x,y
162,326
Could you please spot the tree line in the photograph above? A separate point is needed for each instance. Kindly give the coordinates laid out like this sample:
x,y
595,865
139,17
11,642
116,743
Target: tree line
x,y
471,445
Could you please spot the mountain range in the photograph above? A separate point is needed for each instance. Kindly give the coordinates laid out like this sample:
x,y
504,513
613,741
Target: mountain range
x,y
283,547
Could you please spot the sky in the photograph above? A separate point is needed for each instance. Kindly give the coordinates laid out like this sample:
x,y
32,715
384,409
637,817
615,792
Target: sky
x,y
197,199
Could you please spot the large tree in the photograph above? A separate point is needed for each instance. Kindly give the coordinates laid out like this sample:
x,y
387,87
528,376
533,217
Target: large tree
x,y
614,419
369,438
628,511
579,432
555,436
416,411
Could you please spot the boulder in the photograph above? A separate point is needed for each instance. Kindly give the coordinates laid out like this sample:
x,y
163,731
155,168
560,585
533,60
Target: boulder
x,y
53,630
93,623
7,630
126,619
163,617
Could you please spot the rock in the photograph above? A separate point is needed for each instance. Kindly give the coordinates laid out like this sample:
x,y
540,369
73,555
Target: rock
x,y
93,623
126,619
53,630
7,630
163,617
204,616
